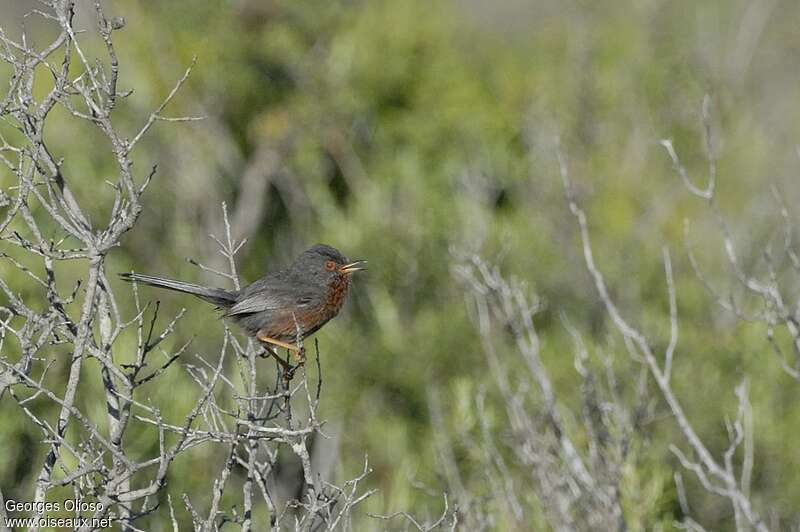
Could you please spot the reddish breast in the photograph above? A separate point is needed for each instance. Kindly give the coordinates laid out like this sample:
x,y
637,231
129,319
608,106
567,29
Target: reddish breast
x,y
310,320
337,291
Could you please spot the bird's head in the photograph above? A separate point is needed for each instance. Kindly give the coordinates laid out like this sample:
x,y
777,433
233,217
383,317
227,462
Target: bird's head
x,y
326,263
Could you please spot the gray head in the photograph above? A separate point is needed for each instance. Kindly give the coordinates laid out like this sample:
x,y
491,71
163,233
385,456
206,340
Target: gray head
x,y
324,263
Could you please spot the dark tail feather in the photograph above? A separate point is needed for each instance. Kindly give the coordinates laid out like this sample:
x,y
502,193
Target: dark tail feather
x,y
218,296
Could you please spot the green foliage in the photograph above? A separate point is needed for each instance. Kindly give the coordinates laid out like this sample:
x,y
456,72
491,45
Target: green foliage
x,y
411,130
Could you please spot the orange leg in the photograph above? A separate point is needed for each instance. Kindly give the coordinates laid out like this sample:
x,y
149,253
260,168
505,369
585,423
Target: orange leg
x,y
267,340
288,369
299,352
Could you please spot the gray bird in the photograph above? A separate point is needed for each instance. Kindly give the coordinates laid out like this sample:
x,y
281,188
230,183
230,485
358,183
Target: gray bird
x,y
283,307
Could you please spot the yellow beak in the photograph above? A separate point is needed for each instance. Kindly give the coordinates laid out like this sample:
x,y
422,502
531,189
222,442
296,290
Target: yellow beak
x,y
353,267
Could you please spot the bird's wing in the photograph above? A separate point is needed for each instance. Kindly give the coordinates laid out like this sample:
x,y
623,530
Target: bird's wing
x,y
269,294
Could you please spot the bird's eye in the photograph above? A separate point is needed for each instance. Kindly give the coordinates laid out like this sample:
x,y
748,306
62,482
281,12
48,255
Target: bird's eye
x,y
330,265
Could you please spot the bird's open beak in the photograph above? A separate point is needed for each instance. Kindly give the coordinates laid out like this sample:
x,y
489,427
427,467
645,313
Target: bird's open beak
x,y
353,267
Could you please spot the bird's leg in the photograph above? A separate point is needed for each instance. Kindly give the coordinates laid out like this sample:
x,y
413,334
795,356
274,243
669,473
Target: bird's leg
x,y
298,351
300,356
274,354
267,340
288,369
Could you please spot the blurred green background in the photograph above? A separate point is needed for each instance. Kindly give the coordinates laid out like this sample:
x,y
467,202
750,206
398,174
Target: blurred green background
x,y
407,132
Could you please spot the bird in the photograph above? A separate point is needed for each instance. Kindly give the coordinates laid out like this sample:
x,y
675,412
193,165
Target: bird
x,y
283,307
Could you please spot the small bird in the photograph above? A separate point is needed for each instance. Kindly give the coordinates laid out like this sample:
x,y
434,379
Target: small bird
x,y
283,307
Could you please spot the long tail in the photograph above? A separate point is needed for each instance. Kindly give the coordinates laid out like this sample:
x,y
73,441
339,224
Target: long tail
x,y
218,296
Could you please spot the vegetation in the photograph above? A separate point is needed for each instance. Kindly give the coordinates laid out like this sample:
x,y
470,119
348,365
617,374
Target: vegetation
x,y
426,137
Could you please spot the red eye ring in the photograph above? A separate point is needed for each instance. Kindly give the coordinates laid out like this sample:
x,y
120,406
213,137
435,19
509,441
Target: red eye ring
x,y
330,265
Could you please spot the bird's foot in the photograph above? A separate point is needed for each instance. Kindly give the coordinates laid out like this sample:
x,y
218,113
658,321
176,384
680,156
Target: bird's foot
x,y
271,348
288,375
289,370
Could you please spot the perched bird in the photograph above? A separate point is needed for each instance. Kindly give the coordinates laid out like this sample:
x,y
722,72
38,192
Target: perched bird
x,y
283,307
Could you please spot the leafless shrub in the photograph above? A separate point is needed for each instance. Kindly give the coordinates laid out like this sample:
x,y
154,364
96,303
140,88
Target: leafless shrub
x,y
769,284
717,475
577,485
239,404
